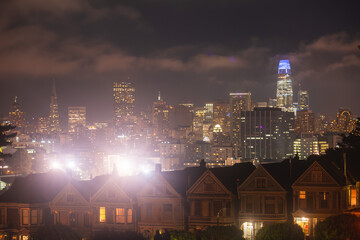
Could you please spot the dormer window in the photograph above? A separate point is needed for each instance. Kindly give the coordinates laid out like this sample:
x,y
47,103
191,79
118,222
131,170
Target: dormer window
x,y
111,194
260,182
316,176
70,197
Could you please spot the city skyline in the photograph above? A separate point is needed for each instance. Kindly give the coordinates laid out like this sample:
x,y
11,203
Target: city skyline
x,y
188,50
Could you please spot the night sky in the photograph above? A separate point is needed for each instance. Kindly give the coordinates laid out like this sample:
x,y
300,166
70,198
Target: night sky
x,y
191,50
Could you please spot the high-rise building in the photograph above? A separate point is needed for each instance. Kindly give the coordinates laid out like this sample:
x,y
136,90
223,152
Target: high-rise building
x,y
123,102
222,115
181,116
238,102
209,111
43,125
16,116
54,122
198,122
160,117
76,119
266,133
307,144
303,100
322,123
284,92
305,122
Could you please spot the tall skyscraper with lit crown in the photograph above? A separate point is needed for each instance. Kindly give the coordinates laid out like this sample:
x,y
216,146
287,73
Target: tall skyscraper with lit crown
x,y
16,116
284,91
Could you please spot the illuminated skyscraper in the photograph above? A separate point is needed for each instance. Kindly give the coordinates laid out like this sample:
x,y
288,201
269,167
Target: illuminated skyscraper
x,y
303,100
160,117
284,92
305,122
124,102
76,119
16,116
238,102
54,121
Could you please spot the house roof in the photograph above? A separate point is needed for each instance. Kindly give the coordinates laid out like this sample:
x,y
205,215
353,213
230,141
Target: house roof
x,y
182,180
233,175
35,188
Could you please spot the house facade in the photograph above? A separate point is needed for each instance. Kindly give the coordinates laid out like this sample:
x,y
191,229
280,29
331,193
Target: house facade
x,y
262,201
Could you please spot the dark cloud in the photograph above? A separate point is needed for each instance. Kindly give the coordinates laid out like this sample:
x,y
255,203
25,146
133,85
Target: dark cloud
x,y
190,50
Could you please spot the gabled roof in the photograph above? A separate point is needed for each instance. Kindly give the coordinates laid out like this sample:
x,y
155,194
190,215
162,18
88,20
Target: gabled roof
x,y
329,167
233,175
35,188
206,175
182,180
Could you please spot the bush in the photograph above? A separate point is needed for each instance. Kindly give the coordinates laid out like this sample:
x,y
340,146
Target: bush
x,y
344,226
56,232
281,231
222,233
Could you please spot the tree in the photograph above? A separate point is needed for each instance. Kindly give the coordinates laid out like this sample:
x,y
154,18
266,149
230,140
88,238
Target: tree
x,y
56,232
5,137
350,148
281,231
343,226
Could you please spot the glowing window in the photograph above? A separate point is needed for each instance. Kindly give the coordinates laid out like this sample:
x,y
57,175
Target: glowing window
x,y
102,214
302,194
25,216
353,197
120,215
34,217
129,216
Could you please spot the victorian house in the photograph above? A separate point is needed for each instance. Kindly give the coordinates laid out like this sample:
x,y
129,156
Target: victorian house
x,y
262,201
319,192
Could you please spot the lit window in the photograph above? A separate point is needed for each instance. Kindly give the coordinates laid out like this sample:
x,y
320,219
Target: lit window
x,y
120,215
25,216
102,214
129,216
353,197
302,194
34,217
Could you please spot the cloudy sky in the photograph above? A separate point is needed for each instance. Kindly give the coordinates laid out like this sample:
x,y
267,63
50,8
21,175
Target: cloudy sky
x,y
190,50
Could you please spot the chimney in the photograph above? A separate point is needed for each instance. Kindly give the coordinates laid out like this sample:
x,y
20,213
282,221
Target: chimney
x,y
202,163
345,171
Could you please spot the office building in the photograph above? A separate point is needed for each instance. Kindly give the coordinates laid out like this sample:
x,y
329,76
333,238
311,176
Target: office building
x,y
303,100
307,144
266,133
238,102
123,102
305,122
76,119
